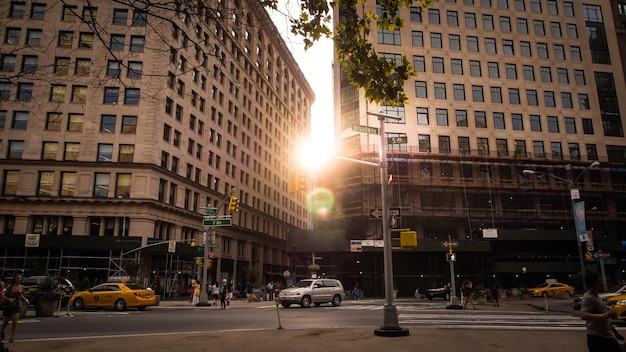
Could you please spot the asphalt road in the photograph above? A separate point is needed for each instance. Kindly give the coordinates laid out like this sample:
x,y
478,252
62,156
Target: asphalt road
x,y
174,326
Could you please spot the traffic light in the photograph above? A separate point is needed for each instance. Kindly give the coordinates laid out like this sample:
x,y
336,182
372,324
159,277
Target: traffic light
x,y
451,257
233,204
408,239
208,264
199,261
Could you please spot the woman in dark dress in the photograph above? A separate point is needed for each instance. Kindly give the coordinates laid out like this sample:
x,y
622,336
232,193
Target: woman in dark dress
x,y
14,297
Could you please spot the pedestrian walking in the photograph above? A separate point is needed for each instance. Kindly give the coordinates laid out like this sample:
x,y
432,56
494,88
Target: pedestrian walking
x,y
229,288
223,293
468,289
215,292
601,334
495,293
14,298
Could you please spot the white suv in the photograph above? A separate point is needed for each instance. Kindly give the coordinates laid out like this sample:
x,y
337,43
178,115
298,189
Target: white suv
x,y
316,291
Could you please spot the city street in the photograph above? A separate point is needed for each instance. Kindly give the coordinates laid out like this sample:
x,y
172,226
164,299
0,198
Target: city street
x,y
246,326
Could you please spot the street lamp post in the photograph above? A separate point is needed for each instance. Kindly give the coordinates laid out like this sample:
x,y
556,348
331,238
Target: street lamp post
x,y
124,219
390,325
574,195
204,296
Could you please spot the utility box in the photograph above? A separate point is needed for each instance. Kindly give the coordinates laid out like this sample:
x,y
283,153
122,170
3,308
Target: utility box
x,y
408,239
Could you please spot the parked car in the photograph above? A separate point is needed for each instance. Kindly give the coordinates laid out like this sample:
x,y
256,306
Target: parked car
x,y
316,291
549,289
114,295
442,291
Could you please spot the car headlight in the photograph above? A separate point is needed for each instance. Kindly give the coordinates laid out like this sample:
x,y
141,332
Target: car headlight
x,y
620,302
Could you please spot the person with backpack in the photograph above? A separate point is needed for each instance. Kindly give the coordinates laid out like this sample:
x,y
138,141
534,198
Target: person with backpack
x,y
224,293
12,300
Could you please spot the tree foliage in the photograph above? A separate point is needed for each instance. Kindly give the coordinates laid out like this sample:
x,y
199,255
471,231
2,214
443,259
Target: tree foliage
x,y
382,79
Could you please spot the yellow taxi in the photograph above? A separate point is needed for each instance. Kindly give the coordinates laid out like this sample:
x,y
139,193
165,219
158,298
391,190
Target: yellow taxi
x,y
549,289
618,303
114,295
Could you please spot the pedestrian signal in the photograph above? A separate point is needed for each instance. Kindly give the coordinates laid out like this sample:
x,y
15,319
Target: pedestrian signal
x,y
451,257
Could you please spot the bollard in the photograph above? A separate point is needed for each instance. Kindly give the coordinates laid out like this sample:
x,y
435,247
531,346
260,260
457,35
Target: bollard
x,y
278,314
545,300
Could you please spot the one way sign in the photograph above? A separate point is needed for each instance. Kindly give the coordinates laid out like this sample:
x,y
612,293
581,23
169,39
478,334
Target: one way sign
x,y
378,213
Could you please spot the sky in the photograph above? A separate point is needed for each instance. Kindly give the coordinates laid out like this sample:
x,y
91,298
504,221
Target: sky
x,y
316,64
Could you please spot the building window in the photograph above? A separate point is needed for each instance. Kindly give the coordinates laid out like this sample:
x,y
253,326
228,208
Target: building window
x,y
529,73
50,151
501,147
483,145
522,25
496,95
461,118
444,147
572,31
531,97
38,11
470,20
475,68
546,74
493,70
420,89
135,69
514,97
69,13
477,94
122,188
79,94
422,116
3,118
89,14
548,97
481,119
555,29
127,153
557,151
566,100
574,151
33,37
417,38
507,46
18,9
62,65
114,68
12,36
459,92
518,124
440,90
472,44
490,45
20,120
424,143
105,152
29,63
57,93
66,39
137,43
539,27
117,42
438,65
436,41
535,123
505,24
107,123
538,149
83,66
129,124
111,95
16,148
457,67
85,41
433,16
553,124
442,117
8,63
75,122
563,76
583,101
498,121
120,16
53,121
416,14
140,18
559,52
25,91
525,49
101,185
9,186
46,181
570,125
542,50
131,96
68,184
71,151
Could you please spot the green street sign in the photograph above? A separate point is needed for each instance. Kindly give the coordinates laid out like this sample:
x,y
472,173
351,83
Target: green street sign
x,y
365,129
214,245
396,140
209,212
217,222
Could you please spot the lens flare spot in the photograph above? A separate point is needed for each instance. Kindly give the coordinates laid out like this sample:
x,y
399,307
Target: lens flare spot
x,y
321,201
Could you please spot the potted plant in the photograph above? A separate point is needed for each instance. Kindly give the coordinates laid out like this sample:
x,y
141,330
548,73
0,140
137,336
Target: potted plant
x,y
46,297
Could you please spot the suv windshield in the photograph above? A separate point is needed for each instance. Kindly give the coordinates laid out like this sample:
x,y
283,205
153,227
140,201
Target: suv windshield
x,y
303,283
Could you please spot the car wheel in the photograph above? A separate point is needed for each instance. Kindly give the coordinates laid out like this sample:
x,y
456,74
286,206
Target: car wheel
x,y
141,308
306,302
79,304
120,305
336,301
286,305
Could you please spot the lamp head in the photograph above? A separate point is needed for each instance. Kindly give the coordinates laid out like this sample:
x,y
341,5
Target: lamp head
x,y
595,165
528,172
